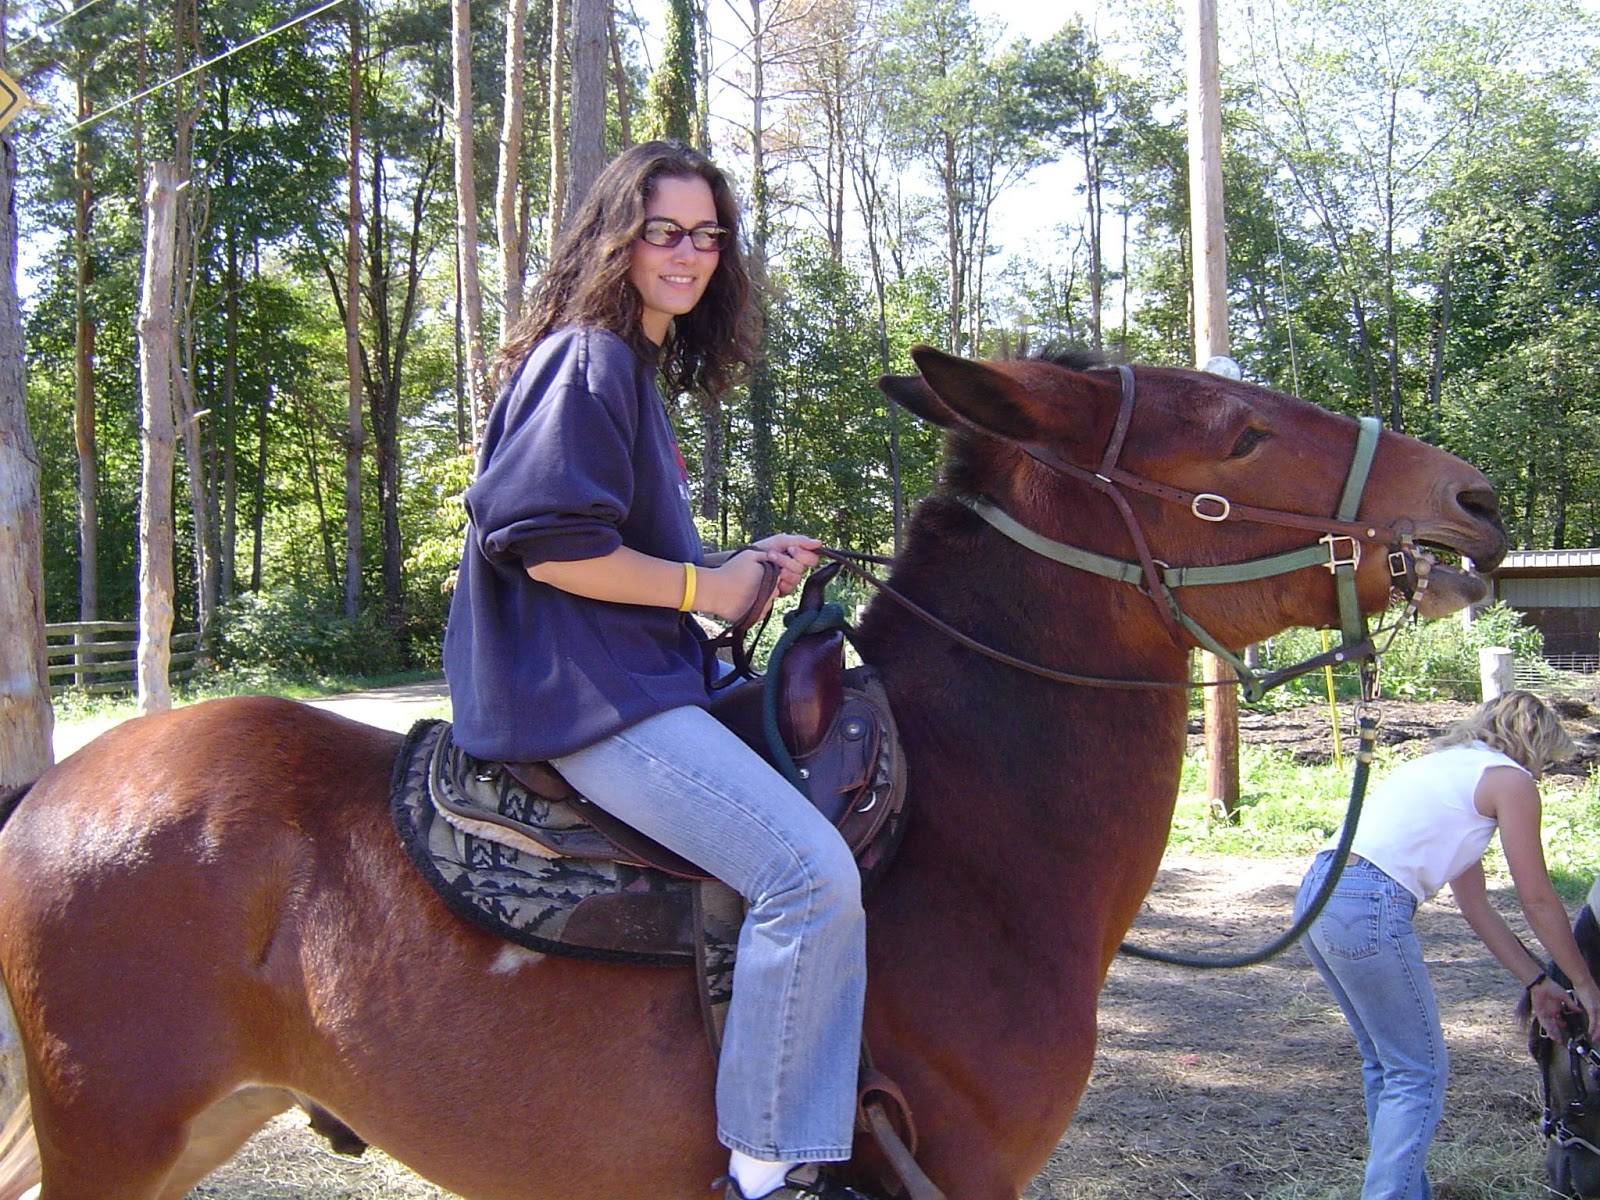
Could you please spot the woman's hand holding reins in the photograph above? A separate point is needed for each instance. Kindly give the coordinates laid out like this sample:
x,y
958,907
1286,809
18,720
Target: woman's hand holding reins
x,y
1551,1003
729,589
1588,997
793,554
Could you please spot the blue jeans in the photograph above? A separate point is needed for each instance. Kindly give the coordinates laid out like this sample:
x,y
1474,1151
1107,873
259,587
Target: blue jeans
x,y
786,1083
1364,947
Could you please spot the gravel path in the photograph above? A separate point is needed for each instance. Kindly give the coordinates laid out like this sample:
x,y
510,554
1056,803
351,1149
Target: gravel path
x,y
388,708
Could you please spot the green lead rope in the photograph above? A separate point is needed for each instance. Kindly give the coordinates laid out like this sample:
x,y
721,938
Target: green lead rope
x,y
1367,733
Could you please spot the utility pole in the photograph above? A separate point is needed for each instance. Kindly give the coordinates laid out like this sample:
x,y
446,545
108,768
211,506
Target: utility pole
x,y
1211,341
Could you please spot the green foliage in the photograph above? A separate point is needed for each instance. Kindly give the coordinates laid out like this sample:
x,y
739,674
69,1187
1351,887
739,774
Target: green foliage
x,y
833,424
1411,230
1284,808
1521,398
1429,660
437,520
286,635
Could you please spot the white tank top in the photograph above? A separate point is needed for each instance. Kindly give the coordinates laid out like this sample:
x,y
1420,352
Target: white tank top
x,y
1420,826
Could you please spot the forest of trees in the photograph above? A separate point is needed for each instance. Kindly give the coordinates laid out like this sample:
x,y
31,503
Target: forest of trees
x,y
362,188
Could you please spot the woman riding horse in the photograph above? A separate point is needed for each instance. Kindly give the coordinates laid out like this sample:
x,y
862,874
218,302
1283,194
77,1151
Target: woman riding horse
x,y
206,916
571,637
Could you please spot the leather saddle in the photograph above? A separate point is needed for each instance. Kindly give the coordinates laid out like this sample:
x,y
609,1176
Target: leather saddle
x,y
835,726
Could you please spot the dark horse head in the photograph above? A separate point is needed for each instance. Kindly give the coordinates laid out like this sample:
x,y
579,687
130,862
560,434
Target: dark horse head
x,y
1569,1084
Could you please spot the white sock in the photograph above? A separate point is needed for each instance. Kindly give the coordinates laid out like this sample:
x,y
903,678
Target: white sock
x,y
755,1177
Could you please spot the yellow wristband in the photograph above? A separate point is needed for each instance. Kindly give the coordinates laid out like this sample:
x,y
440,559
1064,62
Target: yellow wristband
x,y
687,604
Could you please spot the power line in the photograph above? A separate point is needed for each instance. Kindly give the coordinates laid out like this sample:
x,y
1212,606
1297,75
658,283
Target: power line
x,y
150,91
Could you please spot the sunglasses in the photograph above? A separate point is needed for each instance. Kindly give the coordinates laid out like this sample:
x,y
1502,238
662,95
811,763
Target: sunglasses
x,y
666,233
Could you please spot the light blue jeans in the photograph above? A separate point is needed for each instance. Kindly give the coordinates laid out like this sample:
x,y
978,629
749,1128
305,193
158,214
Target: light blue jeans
x,y
1364,947
786,1084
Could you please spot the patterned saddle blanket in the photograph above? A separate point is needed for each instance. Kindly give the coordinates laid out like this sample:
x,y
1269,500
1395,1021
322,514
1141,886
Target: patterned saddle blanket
x,y
524,865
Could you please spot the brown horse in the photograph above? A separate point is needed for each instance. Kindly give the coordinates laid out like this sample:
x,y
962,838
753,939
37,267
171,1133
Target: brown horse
x,y
207,916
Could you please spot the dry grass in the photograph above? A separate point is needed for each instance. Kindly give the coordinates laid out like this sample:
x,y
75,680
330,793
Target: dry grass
x,y
286,1161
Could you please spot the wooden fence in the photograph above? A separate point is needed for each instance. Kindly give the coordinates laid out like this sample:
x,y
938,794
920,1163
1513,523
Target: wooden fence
x,y
78,658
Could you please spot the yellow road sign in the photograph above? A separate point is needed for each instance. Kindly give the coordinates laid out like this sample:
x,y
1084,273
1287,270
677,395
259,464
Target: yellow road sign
x,y
12,99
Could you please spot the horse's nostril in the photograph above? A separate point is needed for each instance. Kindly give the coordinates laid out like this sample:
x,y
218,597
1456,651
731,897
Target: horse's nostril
x,y
1481,503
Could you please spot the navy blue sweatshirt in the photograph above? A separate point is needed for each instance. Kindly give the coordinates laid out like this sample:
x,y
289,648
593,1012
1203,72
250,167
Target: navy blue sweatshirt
x,y
578,458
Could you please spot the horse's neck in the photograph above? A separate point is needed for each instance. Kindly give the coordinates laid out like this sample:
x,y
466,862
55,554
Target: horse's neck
x,y
1037,817
1064,768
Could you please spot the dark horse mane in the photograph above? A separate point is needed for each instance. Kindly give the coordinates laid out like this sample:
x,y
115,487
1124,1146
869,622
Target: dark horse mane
x,y
1073,358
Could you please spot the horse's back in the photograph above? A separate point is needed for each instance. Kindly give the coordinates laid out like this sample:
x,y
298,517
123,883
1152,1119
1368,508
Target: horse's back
x,y
224,742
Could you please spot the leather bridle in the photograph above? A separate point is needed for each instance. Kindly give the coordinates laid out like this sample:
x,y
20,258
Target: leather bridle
x,y
1338,549
1581,1057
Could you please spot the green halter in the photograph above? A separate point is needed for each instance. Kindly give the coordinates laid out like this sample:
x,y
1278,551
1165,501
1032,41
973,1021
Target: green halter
x,y
1338,549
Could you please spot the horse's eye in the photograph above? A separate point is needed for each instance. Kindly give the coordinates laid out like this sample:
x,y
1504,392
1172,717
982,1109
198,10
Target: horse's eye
x,y
1248,441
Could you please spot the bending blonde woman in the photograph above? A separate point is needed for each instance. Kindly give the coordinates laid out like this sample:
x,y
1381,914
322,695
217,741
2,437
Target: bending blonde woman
x,y
1426,825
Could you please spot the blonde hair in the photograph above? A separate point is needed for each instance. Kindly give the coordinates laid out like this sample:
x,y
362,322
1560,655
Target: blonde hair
x,y
1520,726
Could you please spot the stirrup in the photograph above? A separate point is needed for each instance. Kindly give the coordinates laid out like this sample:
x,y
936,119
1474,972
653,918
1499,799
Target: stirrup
x,y
805,1182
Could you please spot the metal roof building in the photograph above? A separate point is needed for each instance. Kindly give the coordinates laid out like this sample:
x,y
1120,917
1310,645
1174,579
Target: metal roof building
x,y
1558,591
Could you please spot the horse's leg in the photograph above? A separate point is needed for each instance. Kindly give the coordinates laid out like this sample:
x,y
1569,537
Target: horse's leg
x,y
92,1163
218,1132
114,1152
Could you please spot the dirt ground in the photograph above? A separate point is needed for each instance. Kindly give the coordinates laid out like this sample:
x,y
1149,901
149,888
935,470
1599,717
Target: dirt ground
x,y
1242,1084
1217,1085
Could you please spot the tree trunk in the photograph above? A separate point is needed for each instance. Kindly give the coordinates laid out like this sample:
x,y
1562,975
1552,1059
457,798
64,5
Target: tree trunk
x,y
141,79
391,319
467,210
513,253
588,98
354,435
619,78
1441,338
25,715
229,535
702,108
458,349
227,450
258,512
558,118
1210,266
83,406
763,458
307,426
952,236
156,362
713,468
190,217
1094,214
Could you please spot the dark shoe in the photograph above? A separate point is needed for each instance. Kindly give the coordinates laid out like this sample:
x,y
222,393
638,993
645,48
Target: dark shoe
x,y
805,1182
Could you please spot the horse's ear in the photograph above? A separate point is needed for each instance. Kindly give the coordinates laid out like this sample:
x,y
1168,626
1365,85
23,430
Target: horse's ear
x,y
912,392
978,394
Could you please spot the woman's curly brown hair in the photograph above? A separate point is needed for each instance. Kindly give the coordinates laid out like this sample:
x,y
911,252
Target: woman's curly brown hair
x,y
708,348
